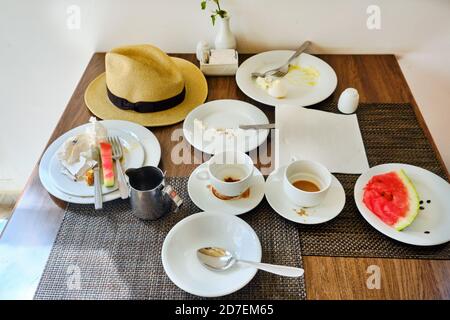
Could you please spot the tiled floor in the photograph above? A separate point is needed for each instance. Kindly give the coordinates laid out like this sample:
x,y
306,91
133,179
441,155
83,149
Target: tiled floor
x,y
7,202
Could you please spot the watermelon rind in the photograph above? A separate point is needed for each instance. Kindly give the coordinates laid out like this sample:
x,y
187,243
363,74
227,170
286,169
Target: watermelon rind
x,y
414,202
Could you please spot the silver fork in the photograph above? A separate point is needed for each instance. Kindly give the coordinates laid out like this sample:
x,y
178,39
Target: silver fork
x,y
117,154
283,70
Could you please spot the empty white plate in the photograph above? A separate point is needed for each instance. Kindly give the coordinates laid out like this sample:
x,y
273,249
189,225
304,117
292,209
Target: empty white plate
x,y
145,137
202,196
179,253
300,92
325,211
432,225
220,115
133,158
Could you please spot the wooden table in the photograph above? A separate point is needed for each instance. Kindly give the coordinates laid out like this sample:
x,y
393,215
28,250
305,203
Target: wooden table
x,y
27,240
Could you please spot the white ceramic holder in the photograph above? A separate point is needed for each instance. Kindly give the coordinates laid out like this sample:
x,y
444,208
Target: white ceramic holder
x,y
220,69
348,101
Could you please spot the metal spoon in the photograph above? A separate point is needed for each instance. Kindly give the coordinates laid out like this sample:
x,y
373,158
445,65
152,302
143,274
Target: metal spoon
x,y
218,259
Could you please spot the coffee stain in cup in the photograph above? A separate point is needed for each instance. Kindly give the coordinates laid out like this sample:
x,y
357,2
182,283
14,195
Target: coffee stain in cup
x,y
231,179
243,195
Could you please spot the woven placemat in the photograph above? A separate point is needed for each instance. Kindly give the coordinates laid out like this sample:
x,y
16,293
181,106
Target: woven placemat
x,y
391,133
118,256
113,255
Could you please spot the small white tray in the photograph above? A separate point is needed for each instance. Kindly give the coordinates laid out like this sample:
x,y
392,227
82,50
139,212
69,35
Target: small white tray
x,y
220,69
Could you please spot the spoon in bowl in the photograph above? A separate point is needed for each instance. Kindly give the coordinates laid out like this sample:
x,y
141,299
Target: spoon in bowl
x,y
218,259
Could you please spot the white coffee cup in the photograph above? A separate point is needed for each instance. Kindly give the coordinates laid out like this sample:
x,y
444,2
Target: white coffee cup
x,y
229,172
310,171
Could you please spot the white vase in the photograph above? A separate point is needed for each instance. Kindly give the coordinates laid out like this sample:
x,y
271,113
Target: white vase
x,y
225,39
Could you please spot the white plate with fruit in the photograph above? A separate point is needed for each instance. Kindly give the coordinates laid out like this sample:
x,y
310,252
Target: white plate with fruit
x,y
133,157
128,132
406,203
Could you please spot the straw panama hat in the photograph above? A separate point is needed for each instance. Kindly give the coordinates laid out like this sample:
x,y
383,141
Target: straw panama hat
x,y
144,85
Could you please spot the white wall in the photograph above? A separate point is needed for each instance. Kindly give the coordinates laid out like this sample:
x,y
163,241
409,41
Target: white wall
x,y
41,60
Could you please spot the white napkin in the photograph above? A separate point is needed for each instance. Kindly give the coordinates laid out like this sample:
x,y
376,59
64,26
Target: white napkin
x,y
78,169
331,139
75,154
222,56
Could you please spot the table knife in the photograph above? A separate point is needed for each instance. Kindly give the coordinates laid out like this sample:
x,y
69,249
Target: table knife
x,y
98,197
257,126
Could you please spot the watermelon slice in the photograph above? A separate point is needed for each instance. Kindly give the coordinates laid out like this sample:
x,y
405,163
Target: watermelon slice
x,y
107,164
392,198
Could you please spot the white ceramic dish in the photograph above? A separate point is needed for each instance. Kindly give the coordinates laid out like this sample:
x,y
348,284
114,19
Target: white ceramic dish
x,y
201,195
328,209
432,225
205,229
300,93
226,114
134,156
145,137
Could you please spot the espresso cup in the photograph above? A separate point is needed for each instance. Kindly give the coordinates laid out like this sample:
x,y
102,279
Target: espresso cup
x,y
310,171
229,172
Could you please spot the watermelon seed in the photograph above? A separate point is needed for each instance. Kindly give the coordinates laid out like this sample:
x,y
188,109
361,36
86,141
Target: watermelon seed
x,y
421,208
428,201
427,232
421,202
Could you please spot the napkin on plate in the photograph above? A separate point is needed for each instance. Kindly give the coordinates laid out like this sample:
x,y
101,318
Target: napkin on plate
x,y
331,139
75,154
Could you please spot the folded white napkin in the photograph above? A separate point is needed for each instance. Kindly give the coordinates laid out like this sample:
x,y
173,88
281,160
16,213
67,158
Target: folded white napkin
x,y
331,139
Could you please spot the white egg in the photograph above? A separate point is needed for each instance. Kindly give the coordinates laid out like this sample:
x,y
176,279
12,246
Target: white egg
x,y
278,89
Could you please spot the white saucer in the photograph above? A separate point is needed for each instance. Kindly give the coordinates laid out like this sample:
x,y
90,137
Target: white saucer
x,y
225,114
134,156
299,93
145,137
201,195
327,210
179,253
432,225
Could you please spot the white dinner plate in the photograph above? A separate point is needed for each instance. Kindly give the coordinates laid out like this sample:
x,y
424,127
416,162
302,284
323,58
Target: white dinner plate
x,y
201,195
225,114
133,157
328,209
432,225
206,229
300,92
145,137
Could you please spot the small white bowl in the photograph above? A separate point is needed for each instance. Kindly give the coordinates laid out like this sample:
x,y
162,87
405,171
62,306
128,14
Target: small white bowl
x,y
208,229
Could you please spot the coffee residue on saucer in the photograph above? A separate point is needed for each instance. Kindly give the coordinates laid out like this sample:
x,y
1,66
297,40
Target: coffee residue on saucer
x,y
301,212
243,195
